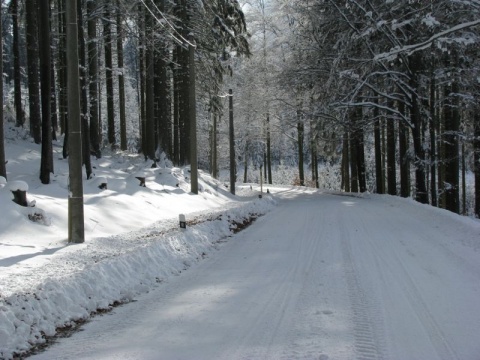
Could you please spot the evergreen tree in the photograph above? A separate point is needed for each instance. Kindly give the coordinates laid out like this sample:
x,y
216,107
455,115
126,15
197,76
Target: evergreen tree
x,y
107,39
17,77
3,169
45,86
31,15
92,15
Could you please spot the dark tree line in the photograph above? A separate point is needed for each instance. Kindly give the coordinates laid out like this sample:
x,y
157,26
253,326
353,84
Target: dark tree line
x,y
140,47
398,78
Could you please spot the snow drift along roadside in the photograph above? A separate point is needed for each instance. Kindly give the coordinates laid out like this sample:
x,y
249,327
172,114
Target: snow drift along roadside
x,y
96,275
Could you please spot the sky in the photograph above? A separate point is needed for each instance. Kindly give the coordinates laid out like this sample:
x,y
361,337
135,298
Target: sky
x,y
319,274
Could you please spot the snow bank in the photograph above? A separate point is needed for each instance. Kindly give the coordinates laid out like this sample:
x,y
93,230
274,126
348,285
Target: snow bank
x,y
94,276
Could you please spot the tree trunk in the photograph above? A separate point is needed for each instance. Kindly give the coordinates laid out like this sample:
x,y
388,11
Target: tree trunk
x,y
476,159
452,128
233,166
192,105
313,146
359,144
391,162
182,84
157,86
421,194
433,140
265,165
99,92
149,83
46,166
380,184
62,74
184,109
164,107
420,185
300,135
31,15
107,34
53,100
83,91
353,162
345,163
121,80
214,147
141,67
93,78
245,163
269,151
176,108
441,155
464,181
17,76
3,168
162,94
403,149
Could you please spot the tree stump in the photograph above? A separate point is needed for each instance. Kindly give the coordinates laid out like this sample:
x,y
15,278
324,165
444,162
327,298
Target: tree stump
x,y
102,183
19,190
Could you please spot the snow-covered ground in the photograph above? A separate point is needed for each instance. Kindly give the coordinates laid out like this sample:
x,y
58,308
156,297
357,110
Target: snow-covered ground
x,y
133,240
320,276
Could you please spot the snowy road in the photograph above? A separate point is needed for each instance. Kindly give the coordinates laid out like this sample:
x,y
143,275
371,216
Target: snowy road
x,y
320,277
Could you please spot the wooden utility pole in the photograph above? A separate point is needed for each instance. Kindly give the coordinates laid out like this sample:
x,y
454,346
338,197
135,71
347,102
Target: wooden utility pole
x,y
233,173
76,229
193,117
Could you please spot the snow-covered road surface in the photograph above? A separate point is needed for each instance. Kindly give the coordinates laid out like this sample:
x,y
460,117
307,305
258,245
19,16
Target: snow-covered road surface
x,y
320,277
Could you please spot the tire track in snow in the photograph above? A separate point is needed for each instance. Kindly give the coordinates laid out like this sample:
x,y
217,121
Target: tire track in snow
x,y
397,269
368,336
391,267
438,339
310,255
280,299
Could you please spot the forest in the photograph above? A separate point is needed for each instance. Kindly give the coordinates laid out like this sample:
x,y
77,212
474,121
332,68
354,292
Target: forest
x,y
379,96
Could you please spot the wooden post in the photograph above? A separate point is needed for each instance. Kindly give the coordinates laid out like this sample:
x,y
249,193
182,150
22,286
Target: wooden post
x,y
76,228
182,221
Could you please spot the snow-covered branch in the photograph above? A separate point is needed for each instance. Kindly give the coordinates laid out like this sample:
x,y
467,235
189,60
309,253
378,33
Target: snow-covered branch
x,y
409,49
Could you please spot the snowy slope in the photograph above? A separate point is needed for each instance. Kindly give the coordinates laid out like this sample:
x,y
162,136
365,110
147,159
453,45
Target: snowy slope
x,y
133,240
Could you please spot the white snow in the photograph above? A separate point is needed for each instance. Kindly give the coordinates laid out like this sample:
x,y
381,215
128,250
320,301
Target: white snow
x,y
132,236
319,276
18,185
430,21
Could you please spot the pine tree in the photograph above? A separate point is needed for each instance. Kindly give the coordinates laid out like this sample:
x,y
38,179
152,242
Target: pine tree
x,y
31,15
17,77
83,91
107,38
45,85
121,78
92,14
3,169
